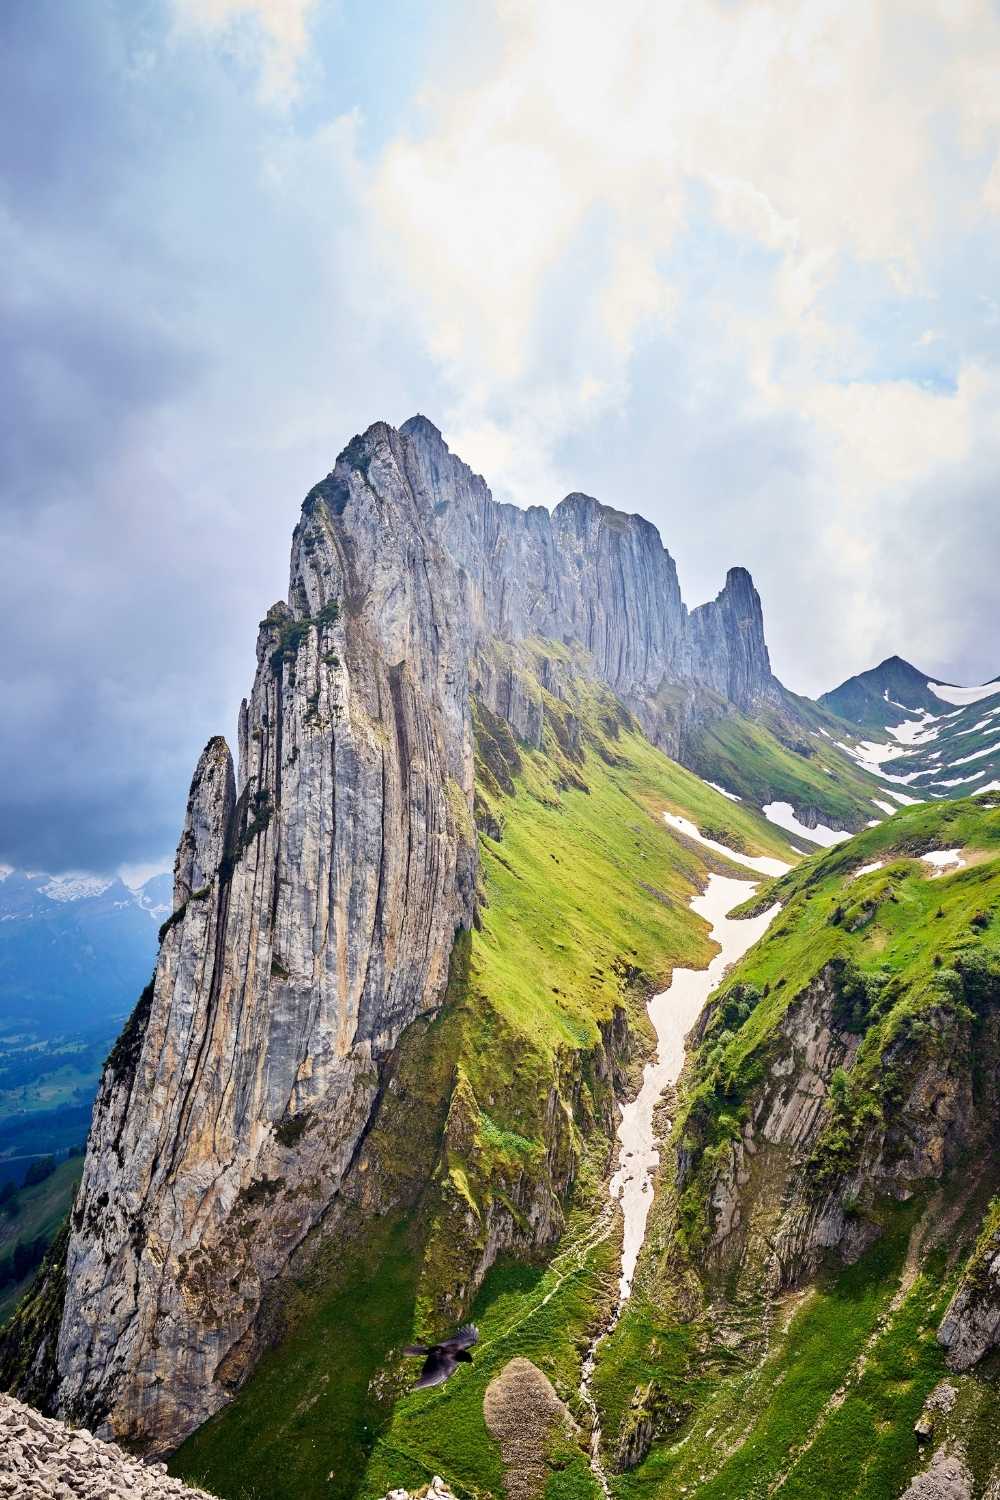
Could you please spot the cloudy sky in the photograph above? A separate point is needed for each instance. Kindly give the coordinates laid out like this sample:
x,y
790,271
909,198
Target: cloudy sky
x,y
732,263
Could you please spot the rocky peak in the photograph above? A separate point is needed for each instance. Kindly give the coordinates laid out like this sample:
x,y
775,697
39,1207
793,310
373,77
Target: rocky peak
x,y
318,892
730,651
316,903
589,573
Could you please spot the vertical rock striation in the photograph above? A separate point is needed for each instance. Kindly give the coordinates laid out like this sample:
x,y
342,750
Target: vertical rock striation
x,y
316,899
593,575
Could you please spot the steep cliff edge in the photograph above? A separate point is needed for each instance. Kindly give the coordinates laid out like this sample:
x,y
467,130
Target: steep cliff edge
x,y
317,895
478,1188
598,576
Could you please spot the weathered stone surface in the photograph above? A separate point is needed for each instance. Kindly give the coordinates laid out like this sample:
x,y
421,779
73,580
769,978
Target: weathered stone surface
x,y
594,575
523,1414
321,906
41,1459
436,1490
768,1220
947,1477
971,1326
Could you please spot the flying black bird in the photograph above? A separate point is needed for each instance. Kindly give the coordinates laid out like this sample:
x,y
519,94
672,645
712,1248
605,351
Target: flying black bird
x,y
442,1360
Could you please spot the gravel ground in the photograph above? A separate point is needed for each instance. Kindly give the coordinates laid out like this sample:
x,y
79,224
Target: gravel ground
x,y
41,1459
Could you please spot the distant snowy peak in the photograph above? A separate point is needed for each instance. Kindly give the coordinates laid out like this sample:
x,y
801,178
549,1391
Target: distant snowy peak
x,y
873,698
935,738
157,896
74,887
24,892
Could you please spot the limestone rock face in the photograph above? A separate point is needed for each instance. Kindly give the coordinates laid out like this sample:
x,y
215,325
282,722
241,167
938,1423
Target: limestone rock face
x,y
594,575
773,1224
318,895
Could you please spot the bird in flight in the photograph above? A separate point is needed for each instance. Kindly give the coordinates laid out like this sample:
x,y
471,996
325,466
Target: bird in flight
x,y
442,1360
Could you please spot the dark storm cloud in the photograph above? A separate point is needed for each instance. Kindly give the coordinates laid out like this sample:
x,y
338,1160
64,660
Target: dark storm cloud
x,y
187,346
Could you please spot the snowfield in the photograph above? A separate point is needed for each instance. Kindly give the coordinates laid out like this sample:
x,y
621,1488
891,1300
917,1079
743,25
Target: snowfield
x,y
783,815
761,863
943,861
963,696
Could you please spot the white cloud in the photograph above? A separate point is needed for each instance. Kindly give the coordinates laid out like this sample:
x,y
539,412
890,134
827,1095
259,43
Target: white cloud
x,y
756,182
273,34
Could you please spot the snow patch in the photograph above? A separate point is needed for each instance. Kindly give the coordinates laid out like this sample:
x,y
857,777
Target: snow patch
x,y
942,860
978,754
903,799
673,1013
717,788
74,887
885,807
868,869
761,863
915,731
783,814
963,695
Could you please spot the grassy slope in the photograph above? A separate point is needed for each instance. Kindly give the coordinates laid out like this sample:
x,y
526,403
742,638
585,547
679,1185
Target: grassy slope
x,y
776,760
41,1209
586,905
917,928
776,1421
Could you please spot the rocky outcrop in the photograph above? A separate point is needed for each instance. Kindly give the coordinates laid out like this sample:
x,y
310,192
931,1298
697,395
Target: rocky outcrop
x,y
317,895
946,1477
589,574
776,1205
436,1490
41,1459
971,1326
525,1418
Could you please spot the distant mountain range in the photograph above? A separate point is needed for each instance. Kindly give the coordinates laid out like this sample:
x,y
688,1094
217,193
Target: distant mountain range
x,y
74,950
932,739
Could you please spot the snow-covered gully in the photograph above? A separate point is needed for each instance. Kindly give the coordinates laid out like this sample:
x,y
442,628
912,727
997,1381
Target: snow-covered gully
x,y
672,1013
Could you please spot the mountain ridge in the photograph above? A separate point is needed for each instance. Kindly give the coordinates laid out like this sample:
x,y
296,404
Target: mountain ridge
x,y
403,982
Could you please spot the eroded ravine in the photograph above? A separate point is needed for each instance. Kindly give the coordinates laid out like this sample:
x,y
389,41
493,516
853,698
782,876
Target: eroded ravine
x,y
672,1013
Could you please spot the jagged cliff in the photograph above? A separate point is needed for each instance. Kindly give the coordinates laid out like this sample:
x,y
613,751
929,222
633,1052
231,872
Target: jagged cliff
x,y
317,895
318,891
585,572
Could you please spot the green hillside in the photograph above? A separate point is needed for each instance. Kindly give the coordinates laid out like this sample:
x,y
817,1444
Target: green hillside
x,y
787,757
34,1214
825,1386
